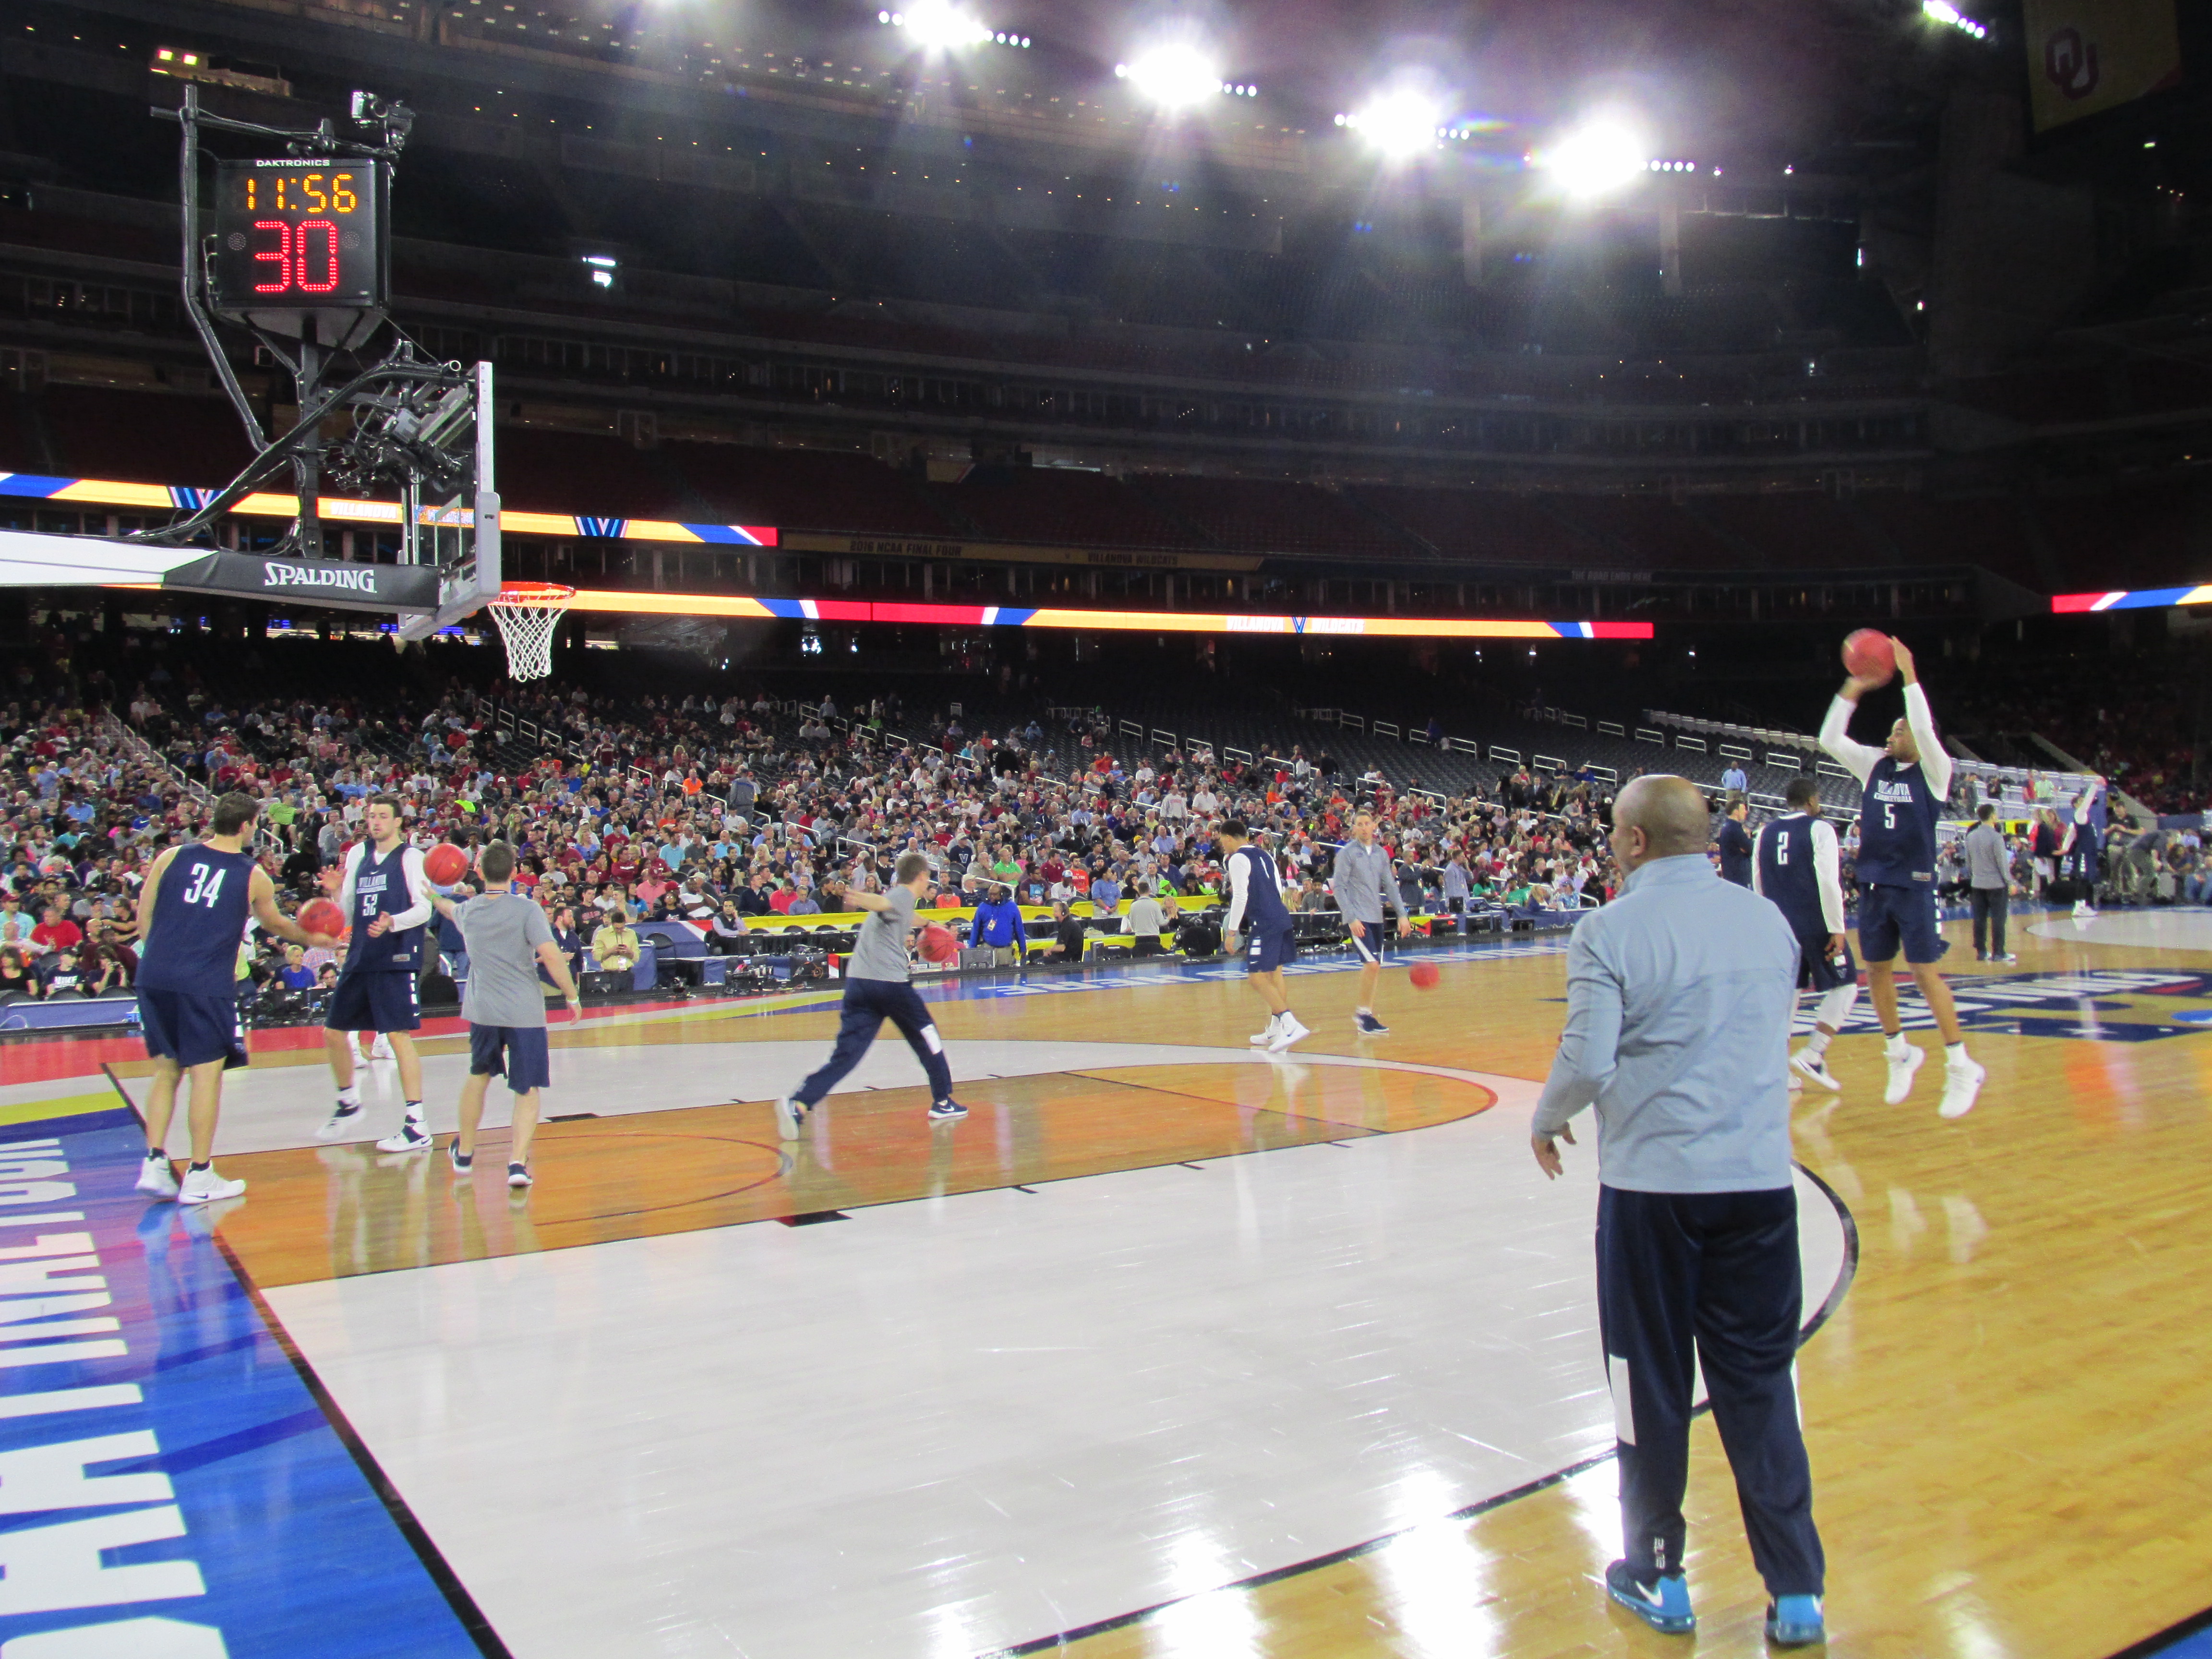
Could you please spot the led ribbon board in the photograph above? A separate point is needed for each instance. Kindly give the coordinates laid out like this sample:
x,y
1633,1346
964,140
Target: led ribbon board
x,y
2141,599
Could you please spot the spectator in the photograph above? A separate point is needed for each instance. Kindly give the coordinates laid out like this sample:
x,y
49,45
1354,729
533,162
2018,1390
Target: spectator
x,y
16,977
614,946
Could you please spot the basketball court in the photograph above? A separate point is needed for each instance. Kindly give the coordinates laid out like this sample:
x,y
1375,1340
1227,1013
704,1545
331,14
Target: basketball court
x,y
1174,1348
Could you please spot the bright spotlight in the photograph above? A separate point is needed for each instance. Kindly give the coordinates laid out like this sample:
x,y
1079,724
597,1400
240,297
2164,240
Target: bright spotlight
x,y
935,25
1942,12
1596,159
1398,123
1174,76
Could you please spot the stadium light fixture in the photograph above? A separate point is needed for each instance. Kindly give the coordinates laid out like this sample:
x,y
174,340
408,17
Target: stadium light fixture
x,y
1398,124
1596,158
1943,11
936,26
1174,75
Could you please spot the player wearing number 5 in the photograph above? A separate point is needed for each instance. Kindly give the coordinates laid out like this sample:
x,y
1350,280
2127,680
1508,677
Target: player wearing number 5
x,y
194,909
1906,782
386,895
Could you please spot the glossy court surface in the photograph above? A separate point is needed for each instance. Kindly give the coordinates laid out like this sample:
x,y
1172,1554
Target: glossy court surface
x,y
1168,1349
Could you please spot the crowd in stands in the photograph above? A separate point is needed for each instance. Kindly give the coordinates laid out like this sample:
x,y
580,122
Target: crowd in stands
x,y
2138,731
701,808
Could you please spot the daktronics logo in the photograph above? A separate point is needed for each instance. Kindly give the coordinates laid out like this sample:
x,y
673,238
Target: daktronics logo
x,y
358,579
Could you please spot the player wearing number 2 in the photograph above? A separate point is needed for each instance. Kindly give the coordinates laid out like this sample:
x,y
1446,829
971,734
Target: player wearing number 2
x,y
1799,866
194,909
1906,782
386,895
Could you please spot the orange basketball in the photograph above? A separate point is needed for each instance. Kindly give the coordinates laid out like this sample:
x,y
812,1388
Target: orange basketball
x,y
445,864
1425,976
939,943
321,916
1869,655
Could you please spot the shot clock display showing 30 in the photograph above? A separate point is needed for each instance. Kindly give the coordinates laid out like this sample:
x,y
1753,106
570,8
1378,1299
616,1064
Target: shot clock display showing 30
x,y
294,235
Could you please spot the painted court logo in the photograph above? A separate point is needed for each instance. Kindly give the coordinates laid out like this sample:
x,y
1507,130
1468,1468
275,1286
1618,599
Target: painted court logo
x,y
2088,1007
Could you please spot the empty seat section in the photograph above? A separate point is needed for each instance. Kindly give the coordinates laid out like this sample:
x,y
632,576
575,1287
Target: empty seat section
x,y
546,472
143,437
1045,505
1647,531
1482,524
1798,530
1981,530
803,488
1260,516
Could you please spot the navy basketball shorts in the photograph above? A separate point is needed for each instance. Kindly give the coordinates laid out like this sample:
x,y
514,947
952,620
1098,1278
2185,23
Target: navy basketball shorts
x,y
1893,916
517,1053
1819,971
379,999
1269,949
190,1029
1370,948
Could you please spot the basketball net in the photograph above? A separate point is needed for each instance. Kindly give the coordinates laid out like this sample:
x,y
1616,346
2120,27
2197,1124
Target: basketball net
x,y
527,613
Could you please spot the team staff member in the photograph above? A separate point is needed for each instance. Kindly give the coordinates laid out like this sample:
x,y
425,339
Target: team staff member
x,y
1734,841
1990,884
876,990
1361,882
509,943
1906,782
1679,995
998,926
195,903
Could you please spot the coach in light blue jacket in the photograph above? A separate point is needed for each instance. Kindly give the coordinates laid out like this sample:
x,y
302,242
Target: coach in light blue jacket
x,y
1678,999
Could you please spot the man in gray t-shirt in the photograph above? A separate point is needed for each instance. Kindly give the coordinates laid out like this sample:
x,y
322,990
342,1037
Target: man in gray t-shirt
x,y
876,990
508,939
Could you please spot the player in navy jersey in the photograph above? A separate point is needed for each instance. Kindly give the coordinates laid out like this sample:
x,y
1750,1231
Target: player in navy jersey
x,y
2083,840
382,889
1799,866
1256,911
191,921
1906,782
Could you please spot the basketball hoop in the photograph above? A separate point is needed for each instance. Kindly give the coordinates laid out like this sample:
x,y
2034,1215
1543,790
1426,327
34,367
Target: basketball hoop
x,y
527,613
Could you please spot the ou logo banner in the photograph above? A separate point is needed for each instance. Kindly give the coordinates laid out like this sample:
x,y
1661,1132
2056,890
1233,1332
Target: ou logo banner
x,y
2070,63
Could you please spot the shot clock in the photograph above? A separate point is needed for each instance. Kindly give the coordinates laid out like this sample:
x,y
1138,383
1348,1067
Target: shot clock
x,y
296,235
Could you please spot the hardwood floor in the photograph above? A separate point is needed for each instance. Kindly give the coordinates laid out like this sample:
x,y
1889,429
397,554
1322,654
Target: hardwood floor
x,y
2009,1415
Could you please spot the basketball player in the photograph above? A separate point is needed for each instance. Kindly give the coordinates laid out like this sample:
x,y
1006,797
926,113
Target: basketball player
x,y
1362,883
383,890
1799,866
2084,840
1255,895
508,939
876,990
1906,782
193,913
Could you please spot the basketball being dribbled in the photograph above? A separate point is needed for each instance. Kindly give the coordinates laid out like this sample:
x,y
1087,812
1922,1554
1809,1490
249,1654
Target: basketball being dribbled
x,y
445,864
1425,976
1869,655
939,943
321,916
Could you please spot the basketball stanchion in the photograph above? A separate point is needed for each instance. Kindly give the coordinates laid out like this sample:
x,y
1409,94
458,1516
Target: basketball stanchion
x,y
527,613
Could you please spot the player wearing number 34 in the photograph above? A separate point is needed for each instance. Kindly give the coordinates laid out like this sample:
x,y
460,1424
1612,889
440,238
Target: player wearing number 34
x,y
193,915
1906,782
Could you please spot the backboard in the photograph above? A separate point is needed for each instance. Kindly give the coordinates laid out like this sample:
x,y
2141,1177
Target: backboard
x,y
449,518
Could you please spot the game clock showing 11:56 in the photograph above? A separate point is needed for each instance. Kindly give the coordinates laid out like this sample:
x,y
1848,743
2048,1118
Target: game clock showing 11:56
x,y
299,235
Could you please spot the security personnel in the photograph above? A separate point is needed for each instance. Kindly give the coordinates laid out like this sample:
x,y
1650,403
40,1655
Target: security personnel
x,y
1678,998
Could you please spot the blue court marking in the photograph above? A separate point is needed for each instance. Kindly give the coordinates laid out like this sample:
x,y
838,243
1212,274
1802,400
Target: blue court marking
x,y
2049,1004
182,1488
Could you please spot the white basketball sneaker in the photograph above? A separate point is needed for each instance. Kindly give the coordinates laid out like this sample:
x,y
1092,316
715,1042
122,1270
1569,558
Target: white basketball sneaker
x,y
1962,1083
206,1186
1260,1039
1806,1063
1902,1066
1287,1031
155,1178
